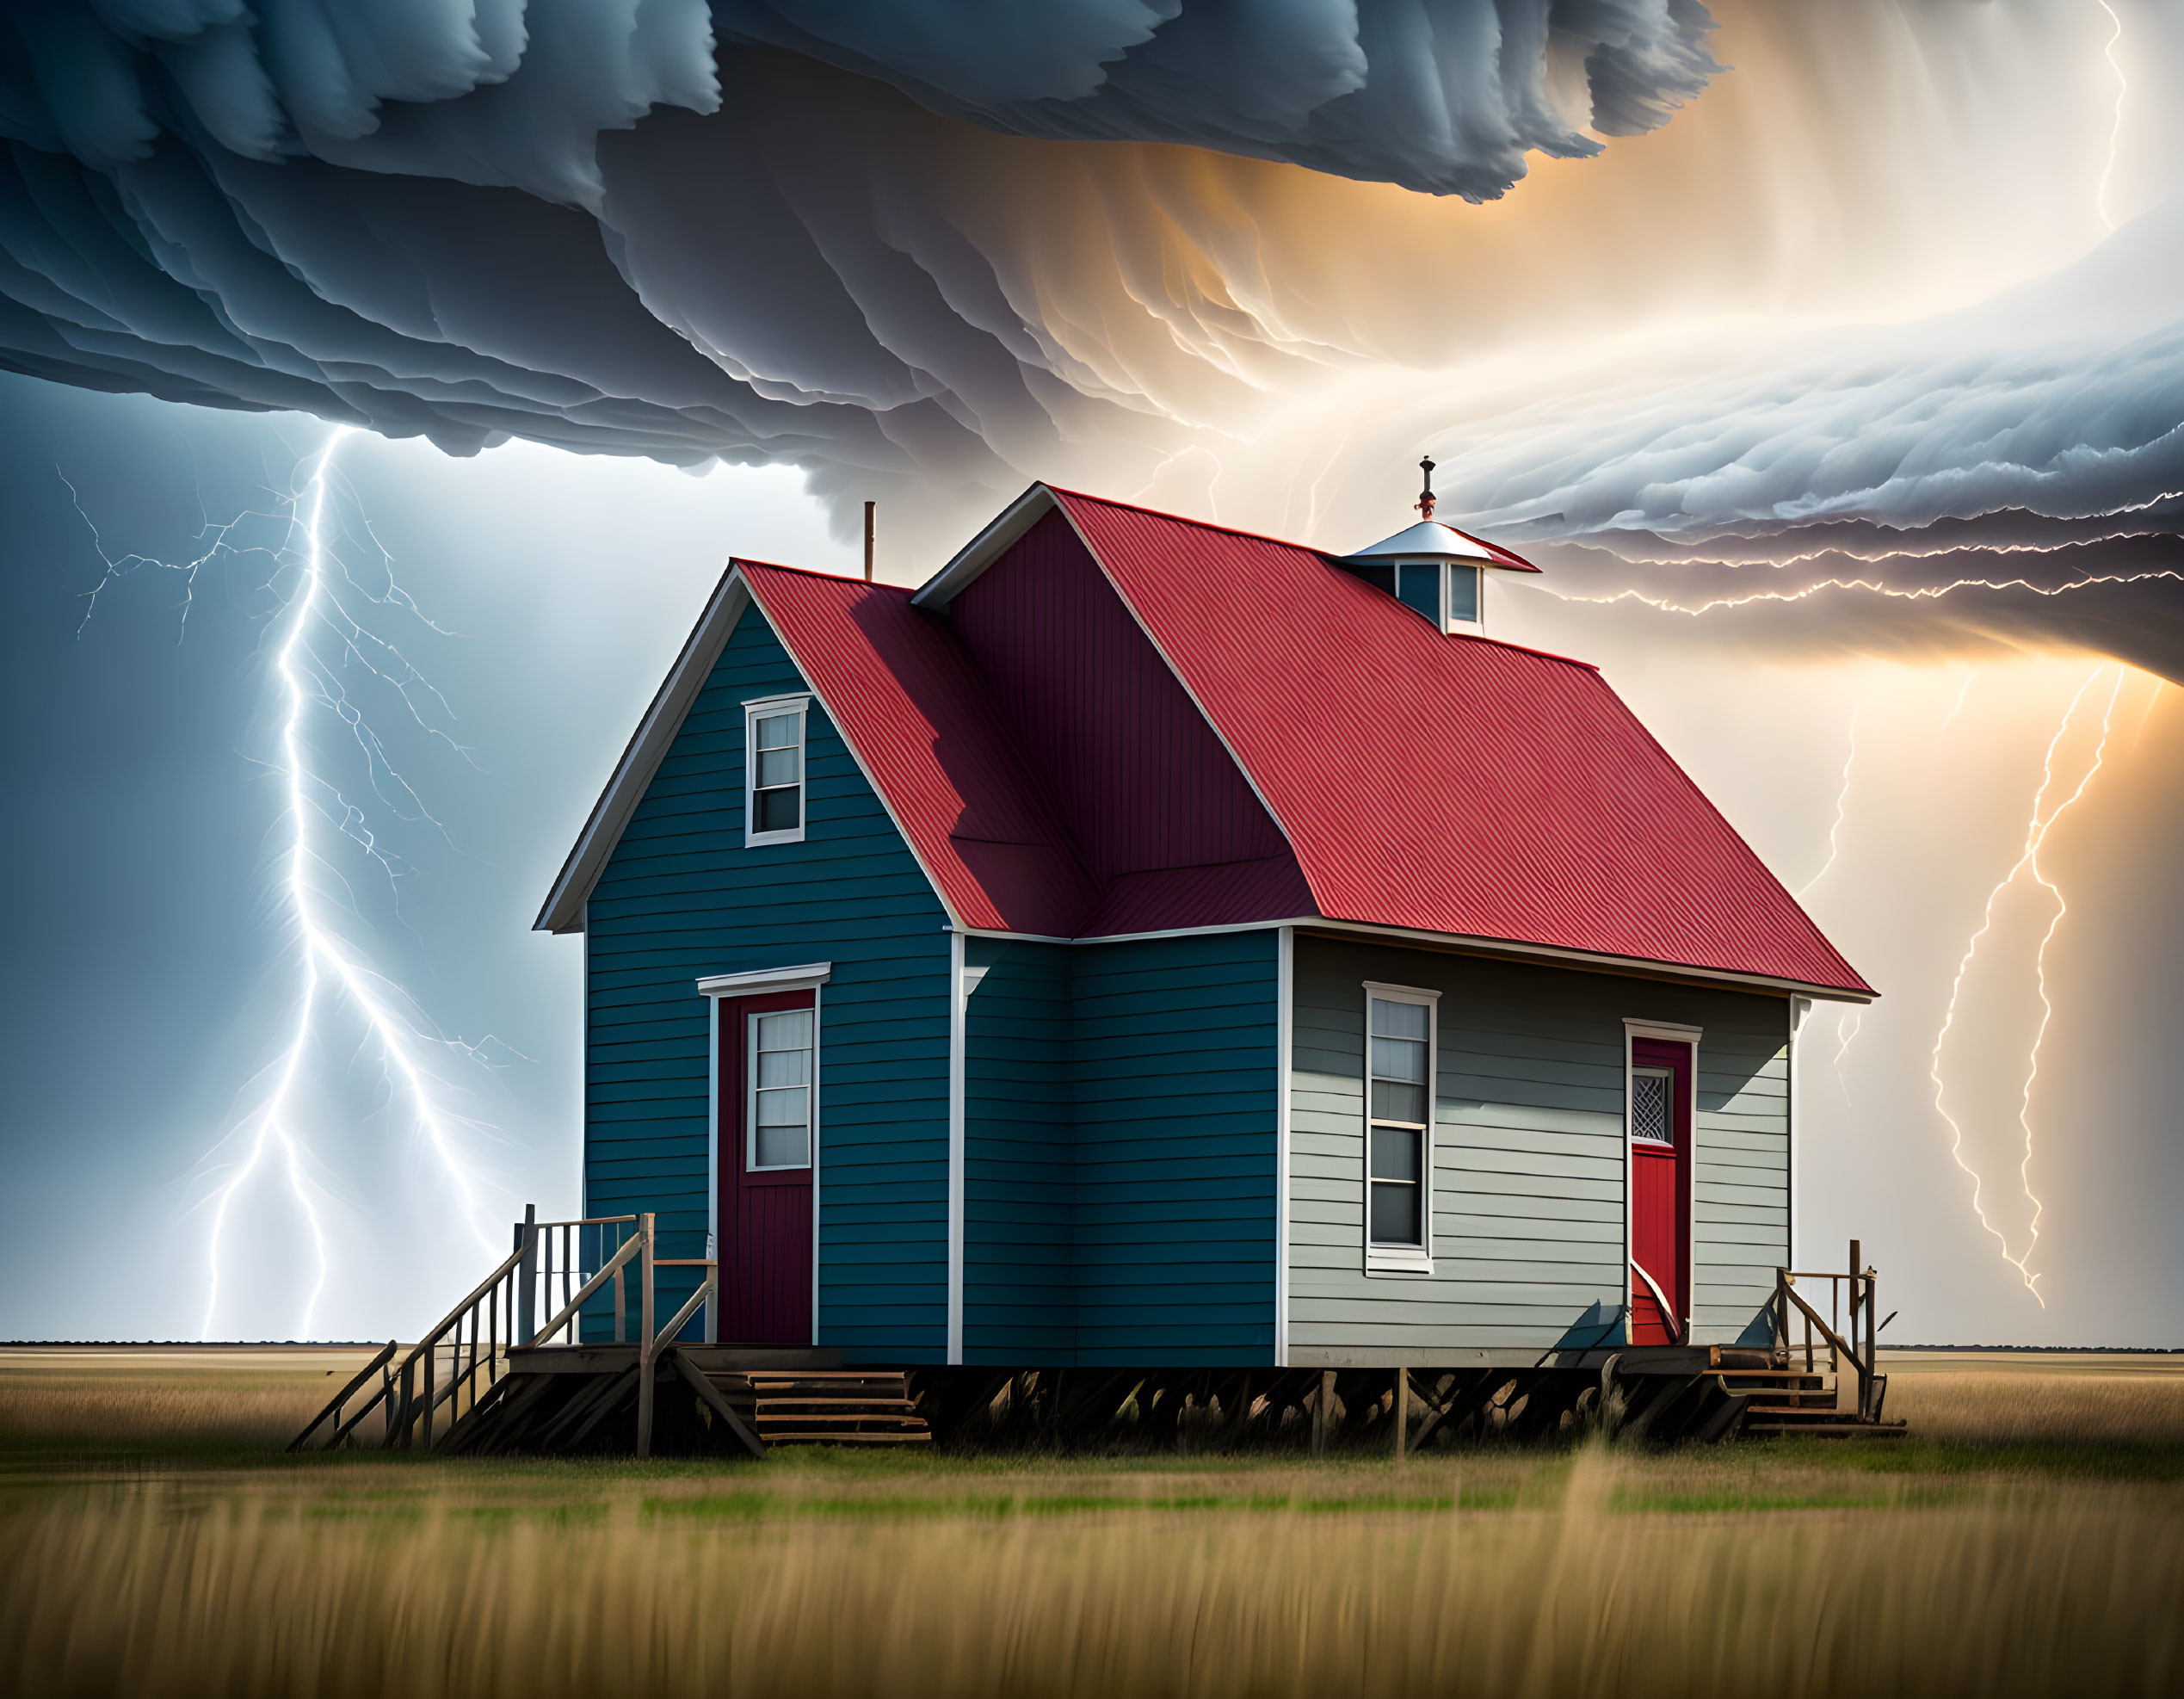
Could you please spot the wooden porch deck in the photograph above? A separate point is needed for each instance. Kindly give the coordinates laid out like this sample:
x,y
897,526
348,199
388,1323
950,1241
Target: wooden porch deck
x,y
467,1388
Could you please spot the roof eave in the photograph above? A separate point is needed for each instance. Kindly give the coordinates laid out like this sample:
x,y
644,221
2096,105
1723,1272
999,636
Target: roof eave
x,y
983,550
564,911
1646,967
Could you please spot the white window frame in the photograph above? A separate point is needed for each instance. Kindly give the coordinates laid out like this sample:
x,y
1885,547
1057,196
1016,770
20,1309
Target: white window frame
x,y
768,708
1650,1071
1475,627
751,1164
1445,619
1402,1261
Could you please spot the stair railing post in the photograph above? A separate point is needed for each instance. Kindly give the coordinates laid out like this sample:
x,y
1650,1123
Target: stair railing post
x,y
1857,1357
645,1342
527,1275
1873,1346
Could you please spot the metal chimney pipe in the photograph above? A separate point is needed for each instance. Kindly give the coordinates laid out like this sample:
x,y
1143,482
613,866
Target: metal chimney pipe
x,y
869,507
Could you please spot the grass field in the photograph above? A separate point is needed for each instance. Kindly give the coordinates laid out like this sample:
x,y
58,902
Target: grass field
x,y
2029,1539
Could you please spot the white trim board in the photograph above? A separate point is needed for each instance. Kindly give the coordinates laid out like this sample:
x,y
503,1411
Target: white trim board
x,y
1285,1049
958,1019
760,980
563,910
648,746
1460,943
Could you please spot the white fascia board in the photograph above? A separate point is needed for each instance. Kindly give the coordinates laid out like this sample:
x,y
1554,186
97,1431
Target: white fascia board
x,y
983,550
1639,966
647,748
766,980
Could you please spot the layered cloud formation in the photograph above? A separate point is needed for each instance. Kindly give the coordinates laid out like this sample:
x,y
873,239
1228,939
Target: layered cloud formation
x,y
926,250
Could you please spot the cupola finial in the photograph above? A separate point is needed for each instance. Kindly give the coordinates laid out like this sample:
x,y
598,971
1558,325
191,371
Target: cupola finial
x,y
1425,503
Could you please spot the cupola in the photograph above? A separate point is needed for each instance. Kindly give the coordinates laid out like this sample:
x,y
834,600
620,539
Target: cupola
x,y
1435,570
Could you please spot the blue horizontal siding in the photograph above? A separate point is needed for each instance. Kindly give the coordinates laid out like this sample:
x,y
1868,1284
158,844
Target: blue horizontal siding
x,y
1175,1150
681,897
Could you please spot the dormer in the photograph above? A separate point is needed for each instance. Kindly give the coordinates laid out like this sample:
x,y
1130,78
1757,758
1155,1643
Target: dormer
x,y
1434,569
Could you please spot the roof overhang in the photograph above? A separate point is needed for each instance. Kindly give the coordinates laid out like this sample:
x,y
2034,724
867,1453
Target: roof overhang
x,y
1433,540
1637,966
988,547
648,747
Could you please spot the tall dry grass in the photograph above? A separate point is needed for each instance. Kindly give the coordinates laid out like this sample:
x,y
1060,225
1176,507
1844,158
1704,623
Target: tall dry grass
x,y
151,1400
1979,1407
2006,1591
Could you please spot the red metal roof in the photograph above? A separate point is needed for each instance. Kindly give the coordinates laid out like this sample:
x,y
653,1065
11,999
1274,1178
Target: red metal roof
x,y
945,754
1454,785
902,692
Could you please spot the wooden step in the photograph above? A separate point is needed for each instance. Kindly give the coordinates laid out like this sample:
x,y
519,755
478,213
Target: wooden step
x,y
843,1406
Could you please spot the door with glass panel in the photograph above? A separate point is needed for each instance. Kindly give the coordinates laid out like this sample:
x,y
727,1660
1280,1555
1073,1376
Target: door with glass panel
x,y
768,1135
1660,1191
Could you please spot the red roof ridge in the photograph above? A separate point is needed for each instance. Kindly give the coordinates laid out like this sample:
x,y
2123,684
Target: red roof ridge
x,y
1330,558
1202,524
737,560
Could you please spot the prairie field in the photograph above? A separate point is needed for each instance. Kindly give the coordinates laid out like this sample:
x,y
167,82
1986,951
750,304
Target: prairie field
x,y
2027,1539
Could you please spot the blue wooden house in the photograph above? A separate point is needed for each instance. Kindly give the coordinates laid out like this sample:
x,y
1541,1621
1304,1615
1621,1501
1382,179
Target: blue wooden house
x,y
1148,943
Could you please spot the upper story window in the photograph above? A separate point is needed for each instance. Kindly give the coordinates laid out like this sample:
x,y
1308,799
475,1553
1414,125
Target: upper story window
x,y
1464,598
1446,592
1399,1127
774,771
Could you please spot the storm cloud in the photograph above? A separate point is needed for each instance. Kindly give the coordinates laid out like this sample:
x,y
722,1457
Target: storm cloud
x,y
927,252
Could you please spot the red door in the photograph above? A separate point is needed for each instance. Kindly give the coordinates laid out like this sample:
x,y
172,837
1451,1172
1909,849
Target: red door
x,y
1660,1191
768,1134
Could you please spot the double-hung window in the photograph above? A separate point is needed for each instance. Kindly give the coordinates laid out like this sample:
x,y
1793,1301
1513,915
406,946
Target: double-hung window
x,y
774,771
780,1128
1399,1090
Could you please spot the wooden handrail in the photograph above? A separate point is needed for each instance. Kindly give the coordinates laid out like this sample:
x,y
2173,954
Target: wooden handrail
x,y
335,1403
398,1391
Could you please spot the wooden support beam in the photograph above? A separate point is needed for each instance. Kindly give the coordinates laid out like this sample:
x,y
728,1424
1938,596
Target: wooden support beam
x,y
607,1407
720,1405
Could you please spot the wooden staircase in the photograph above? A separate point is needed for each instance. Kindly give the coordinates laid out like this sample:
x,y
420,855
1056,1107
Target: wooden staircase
x,y
488,1381
822,1407
1808,1402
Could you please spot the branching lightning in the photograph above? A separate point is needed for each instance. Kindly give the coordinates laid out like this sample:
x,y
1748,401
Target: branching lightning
x,y
1921,593
2042,822
318,636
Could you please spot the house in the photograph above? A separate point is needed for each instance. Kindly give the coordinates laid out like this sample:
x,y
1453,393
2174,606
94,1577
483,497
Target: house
x,y
1152,943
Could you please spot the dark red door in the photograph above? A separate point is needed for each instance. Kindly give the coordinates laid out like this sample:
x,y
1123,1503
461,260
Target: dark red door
x,y
1660,1191
768,1135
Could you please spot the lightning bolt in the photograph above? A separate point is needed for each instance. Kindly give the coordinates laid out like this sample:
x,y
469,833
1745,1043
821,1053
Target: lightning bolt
x,y
1923,593
331,972
1842,800
2036,831
2115,129
1846,1026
